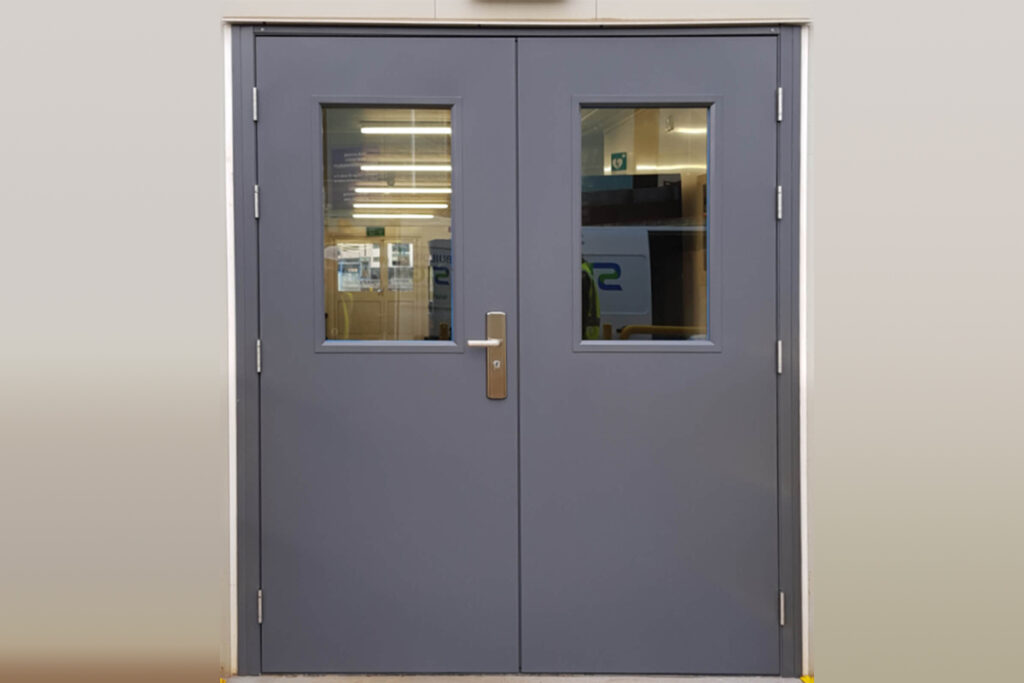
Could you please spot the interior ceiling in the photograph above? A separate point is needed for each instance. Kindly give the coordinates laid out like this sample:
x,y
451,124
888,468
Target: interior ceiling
x,y
405,115
603,119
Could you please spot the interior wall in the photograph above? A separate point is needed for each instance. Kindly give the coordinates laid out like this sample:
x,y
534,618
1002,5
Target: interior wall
x,y
114,371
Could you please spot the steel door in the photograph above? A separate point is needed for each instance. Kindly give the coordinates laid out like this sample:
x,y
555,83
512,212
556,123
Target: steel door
x,y
617,512
389,480
648,469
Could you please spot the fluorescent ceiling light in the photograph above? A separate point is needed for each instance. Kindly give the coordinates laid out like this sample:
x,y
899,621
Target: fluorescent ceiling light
x,y
407,167
392,215
406,130
667,167
691,131
383,205
671,167
403,190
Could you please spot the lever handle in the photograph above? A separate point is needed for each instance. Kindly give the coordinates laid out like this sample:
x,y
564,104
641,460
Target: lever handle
x,y
476,343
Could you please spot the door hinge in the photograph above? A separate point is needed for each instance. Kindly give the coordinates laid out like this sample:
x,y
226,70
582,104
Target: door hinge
x,y
778,104
256,105
778,202
782,608
259,356
778,356
256,201
259,606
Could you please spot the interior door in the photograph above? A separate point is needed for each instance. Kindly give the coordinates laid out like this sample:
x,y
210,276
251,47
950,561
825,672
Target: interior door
x,y
647,355
387,231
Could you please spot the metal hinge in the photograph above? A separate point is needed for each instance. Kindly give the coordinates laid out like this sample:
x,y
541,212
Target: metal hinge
x,y
256,201
259,606
259,356
782,608
256,105
778,104
778,202
778,356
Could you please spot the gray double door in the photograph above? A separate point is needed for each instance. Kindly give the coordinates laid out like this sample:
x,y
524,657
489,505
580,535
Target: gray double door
x,y
616,510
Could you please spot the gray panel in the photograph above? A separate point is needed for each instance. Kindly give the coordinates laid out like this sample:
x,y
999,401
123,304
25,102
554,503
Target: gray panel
x,y
649,505
787,474
789,332
389,501
247,319
568,30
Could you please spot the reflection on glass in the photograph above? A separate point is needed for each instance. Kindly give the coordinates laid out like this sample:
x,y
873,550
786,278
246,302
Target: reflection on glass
x,y
400,266
644,218
387,196
358,266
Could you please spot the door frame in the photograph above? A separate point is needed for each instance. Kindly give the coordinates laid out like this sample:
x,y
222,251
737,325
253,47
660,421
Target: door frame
x,y
244,298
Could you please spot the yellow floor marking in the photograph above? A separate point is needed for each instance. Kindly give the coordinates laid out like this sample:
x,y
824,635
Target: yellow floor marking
x,y
807,679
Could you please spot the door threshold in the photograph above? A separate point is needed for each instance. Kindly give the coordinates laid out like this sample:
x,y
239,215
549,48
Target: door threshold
x,y
502,678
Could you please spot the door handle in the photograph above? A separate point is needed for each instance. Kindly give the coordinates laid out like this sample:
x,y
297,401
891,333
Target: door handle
x,y
497,377
483,342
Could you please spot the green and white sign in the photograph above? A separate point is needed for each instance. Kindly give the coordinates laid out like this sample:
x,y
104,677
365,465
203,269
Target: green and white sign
x,y
619,162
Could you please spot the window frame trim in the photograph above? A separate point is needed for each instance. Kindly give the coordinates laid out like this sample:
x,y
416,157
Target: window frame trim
x,y
715,341
321,344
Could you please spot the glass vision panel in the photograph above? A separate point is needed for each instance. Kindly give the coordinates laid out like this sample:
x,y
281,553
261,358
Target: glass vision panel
x,y
387,223
644,219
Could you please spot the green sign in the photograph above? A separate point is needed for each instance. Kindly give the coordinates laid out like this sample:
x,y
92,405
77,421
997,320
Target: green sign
x,y
375,231
619,162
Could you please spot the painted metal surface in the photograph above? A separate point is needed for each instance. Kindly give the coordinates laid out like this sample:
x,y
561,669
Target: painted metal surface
x,y
247,330
389,535
349,643
649,480
789,331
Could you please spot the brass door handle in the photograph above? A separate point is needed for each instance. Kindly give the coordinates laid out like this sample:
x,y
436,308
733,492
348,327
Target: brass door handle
x,y
497,377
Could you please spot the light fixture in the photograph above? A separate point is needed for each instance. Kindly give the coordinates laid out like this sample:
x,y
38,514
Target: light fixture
x,y
406,130
393,215
671,167
691,131
403,190
383,205
407,167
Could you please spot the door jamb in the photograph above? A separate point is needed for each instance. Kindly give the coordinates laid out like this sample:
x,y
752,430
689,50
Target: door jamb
x,y
788,398
247,331
246,307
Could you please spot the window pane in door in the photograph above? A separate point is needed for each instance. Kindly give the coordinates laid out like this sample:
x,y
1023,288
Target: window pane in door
x,y
644,223
387,174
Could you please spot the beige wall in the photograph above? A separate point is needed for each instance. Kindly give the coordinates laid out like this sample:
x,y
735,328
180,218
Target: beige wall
x,y
114,368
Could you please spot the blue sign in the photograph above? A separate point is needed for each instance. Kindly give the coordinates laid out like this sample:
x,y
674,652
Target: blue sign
x,y
604,280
